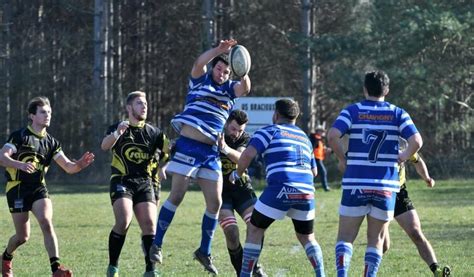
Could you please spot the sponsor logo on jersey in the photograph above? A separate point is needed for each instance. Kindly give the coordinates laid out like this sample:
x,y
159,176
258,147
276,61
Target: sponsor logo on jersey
x,y
375,117
293,136
293,194
34,161
184,158
136,155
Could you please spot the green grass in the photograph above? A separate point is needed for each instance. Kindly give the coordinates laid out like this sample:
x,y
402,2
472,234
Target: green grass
x,y
83,219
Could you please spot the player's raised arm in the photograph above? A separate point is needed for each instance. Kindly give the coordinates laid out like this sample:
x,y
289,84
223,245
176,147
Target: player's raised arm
x,y
199,67
243,87
74,166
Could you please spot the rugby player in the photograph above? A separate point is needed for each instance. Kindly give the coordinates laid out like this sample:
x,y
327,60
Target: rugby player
x,y
370,180
290,167
211,96
135,146
239,196
27,156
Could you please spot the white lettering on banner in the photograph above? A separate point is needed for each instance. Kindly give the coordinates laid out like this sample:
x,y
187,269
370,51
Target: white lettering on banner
x,y
259,110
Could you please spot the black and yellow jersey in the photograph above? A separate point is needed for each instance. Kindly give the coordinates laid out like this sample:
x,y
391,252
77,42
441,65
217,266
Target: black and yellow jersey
x,y
401,171
135,152
30,146
227,165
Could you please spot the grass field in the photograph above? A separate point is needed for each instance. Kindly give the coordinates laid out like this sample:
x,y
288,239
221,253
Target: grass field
x,y
83,219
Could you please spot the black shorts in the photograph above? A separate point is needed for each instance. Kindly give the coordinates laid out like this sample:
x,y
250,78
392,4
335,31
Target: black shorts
x,y
238,197
20,198
137,189
403,203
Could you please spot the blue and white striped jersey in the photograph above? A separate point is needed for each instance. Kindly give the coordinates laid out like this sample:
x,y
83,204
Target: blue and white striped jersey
x,y
288,156
374,129
207,106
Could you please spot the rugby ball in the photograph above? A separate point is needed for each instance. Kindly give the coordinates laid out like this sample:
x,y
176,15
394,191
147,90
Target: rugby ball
x,y
239,60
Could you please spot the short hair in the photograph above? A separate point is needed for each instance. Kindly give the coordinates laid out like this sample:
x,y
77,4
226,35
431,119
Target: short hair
x,y
134,94
36,102
239,116
223,58
376,82
287,108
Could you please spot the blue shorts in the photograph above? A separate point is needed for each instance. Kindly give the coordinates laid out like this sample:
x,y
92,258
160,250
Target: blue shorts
x,y
195,159
276,201
379,204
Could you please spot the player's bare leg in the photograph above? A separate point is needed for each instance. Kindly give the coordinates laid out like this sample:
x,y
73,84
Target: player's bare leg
x,y
22,234
43,211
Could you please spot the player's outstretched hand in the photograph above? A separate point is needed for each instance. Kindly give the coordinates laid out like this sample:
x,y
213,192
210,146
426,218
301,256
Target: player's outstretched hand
x,y
85,160
225,45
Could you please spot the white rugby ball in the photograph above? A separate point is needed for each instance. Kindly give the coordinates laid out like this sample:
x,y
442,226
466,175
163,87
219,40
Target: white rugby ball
x,y
239,59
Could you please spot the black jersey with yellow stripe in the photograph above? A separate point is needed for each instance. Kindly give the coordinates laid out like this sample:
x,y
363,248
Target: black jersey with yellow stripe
x,y
135,152
30,146
227,165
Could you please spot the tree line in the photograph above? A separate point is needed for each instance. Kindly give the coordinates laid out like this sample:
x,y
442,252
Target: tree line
x,y
86,56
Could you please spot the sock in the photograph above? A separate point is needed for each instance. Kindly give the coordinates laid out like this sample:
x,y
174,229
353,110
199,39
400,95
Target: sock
x,y
315,256
236,258
147,241
208,226
116,242
433,266
6,256
343,258
373,258
54,262
164,220
250,257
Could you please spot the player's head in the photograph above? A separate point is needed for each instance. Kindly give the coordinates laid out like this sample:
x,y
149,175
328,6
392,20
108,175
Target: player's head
x,y
235,124
137,105
220,69
39,111
286,111
376,83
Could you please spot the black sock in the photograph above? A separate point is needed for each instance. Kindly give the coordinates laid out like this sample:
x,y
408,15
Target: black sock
x,y
6,256
236,256
54,261
434,267
116,242
147,242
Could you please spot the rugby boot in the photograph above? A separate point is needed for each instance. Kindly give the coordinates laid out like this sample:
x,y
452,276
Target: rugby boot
x,y
442,272
258,271
62,272
7,270
112,271
205,261
155,254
